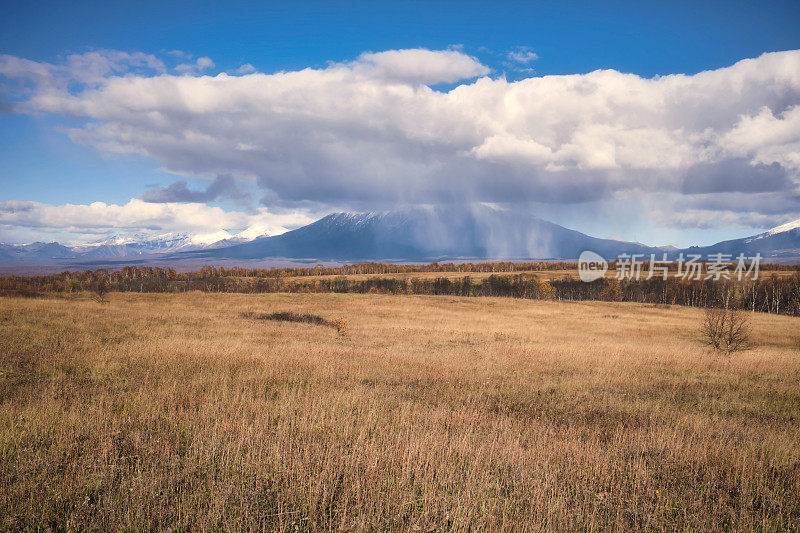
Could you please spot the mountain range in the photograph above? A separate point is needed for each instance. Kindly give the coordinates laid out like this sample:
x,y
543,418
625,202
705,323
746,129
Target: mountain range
x,y
123,246
417,234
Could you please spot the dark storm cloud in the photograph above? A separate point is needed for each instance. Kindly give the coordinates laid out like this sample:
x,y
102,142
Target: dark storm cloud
x,y
223,187
735,175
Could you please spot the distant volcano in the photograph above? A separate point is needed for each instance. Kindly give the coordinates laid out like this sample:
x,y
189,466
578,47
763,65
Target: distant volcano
x,y
426,234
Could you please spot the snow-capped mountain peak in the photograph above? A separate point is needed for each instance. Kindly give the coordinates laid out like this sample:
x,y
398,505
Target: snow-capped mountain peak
x,y
210,238
177,241
256,232
783,228
143,241
777,230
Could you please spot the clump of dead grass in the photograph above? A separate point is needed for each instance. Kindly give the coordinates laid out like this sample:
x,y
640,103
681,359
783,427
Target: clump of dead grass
x,y
338,324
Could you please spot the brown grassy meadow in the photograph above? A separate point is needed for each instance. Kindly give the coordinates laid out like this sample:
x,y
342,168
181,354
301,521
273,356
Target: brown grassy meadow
x,y
173,411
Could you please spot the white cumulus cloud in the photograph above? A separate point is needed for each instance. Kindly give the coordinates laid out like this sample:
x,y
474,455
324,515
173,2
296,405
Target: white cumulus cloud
x,y
137,215
373,130
419,66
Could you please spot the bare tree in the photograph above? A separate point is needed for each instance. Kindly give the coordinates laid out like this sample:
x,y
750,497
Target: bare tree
x,y
726,329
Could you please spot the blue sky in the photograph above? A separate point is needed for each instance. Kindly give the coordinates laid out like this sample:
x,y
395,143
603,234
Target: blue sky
x,y
646,38
40,162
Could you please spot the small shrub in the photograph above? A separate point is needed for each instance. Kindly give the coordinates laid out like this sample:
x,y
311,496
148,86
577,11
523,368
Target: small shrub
x,y
340,324
726,329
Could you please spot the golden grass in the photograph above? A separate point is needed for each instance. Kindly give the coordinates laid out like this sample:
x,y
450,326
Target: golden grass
x,y
172,411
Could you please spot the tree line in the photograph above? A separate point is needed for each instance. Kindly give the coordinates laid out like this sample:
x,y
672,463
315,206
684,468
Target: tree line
x,y
770,293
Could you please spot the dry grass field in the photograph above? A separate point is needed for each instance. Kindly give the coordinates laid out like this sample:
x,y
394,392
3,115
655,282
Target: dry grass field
x,y
174,411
